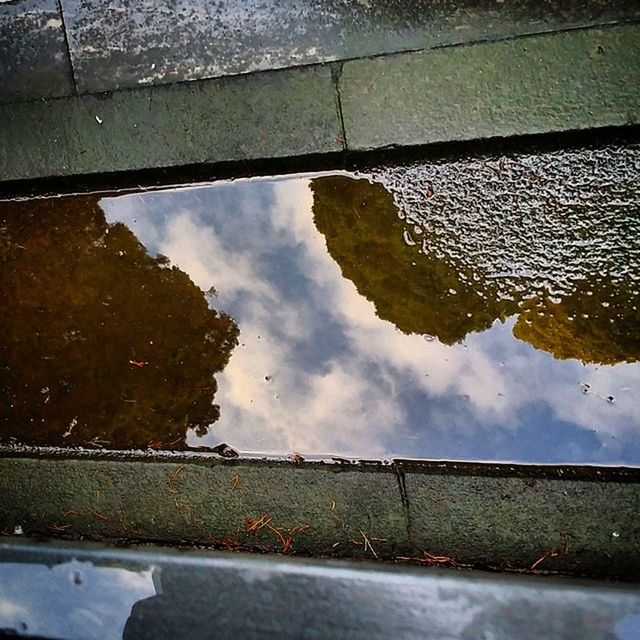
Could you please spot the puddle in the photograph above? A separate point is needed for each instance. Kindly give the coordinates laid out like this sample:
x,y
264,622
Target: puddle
x,y
74,599
123,597
479,309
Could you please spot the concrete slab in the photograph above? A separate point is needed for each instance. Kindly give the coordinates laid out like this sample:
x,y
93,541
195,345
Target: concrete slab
x,y
229,505
34,61
117,44
523,520
572,520
556,82
275,114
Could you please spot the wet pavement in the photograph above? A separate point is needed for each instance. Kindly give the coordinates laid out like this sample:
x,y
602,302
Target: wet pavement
x,y
72,593
315,113
478,309
34,59
52,48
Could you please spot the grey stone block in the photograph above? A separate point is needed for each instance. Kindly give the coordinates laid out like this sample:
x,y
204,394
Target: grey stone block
x,y
568,520
324,511
123,43
34,61
556,82
511,521
276,114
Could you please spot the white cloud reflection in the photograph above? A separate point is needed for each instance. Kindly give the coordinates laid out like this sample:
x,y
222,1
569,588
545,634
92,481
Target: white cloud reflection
x,y
73,600
319,373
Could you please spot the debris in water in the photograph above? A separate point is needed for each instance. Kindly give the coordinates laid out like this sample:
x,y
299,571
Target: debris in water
x,y
139,363
225,451
72,424
408,239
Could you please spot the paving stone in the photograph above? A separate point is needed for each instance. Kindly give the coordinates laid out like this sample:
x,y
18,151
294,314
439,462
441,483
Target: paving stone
x,y
325,511
557,82
515,521
270,115
34,61
124,43
573,521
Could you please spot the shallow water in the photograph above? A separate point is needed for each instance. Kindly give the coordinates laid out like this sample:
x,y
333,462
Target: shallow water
x,y
481,309
71,600
116,594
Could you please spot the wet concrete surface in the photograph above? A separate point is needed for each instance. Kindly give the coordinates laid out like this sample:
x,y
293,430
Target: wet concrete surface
x,y
49,47
123,44
73,592
563,81
278,114
583,79
483,308
518,519
34,60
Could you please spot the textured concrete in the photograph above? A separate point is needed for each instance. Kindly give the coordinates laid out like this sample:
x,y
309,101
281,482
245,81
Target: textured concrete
x,y
479,515
116,44
34,60
556,82
519,520
551,83
271,115
207,504
84,590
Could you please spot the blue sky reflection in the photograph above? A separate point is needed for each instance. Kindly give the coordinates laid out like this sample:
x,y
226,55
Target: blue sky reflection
x,y
318,372
73,600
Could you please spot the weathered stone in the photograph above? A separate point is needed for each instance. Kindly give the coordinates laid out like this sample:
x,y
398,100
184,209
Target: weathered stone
x,y
555,82
277,114
34,61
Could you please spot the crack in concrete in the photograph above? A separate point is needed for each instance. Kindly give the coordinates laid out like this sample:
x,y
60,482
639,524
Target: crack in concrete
x,y
336,74
72,70
404,498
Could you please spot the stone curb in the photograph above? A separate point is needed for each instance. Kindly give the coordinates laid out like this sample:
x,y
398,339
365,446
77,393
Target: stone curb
x,y
507,520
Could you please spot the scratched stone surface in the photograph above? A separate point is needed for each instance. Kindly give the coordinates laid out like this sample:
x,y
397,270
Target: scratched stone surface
x,y
127,43
34,61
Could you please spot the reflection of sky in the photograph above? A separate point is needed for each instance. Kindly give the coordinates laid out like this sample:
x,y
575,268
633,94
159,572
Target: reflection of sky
x,y
318,372
73,600
223,598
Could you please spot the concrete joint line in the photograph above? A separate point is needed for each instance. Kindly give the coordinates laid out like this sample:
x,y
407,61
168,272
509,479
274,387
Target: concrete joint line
x,y
72,70
336,74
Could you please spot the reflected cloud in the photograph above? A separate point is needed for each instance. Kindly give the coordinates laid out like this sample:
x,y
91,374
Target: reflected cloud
x,y
72,600
372,322
319,369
